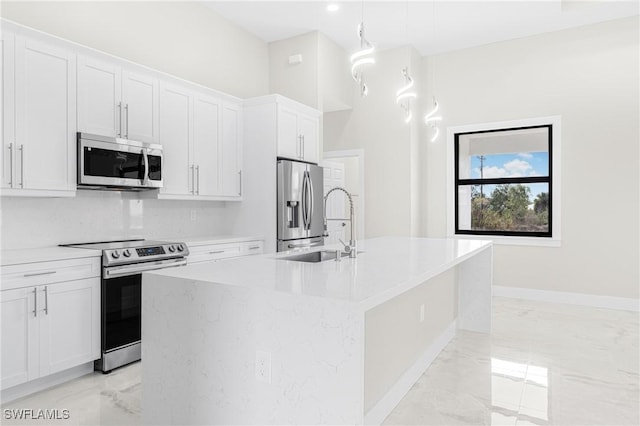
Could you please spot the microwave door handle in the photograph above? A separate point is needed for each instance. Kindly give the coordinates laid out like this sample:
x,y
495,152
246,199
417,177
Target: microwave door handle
x,y
146,167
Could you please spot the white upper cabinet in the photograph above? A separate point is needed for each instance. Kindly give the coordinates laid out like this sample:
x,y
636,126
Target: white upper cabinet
x,y
50,90
201,138
231,173
298,134
176,135
288,137
140,107
39,114
99,97
206,142
7,92
117,102
308,126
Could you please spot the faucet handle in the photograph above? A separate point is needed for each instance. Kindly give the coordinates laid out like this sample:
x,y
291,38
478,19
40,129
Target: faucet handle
x,y
347,247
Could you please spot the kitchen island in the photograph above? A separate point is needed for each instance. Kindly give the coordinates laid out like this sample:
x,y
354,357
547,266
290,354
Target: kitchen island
x,y
264,340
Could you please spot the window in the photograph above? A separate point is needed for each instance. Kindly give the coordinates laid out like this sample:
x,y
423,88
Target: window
x,y
503,181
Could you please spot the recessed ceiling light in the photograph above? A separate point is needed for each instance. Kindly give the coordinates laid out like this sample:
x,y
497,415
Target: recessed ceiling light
x,y
333,7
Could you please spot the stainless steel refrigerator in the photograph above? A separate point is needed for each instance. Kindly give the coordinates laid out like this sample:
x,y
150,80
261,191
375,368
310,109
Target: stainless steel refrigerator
x,y
300,205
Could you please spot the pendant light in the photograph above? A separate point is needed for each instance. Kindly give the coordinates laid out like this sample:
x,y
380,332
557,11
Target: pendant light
x,y
431,119
405,94
362,57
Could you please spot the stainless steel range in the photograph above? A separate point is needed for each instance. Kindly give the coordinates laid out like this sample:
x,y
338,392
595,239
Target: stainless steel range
x,y
121,293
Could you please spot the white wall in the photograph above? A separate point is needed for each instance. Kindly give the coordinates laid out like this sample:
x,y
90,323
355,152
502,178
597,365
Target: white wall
x,y
321,80
186,39
589,76
100,216
376,124
295,81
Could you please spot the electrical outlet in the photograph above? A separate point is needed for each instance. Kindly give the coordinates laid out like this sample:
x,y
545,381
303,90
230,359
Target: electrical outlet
x,y
263,366
194,215
422,313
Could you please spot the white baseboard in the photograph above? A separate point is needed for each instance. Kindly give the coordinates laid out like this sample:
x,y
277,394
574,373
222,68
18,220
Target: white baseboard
x,y
608,302
18,391
388,402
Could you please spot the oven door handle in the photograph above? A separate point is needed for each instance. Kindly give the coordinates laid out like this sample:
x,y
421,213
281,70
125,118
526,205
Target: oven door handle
x,y
121,271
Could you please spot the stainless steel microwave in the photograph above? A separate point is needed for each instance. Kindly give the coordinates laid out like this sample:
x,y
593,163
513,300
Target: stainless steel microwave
x,y
115,163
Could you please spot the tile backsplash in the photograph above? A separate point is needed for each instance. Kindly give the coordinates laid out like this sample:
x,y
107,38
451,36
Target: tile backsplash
x,y
103,215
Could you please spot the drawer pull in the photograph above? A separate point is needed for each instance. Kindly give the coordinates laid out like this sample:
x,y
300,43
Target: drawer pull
x,y
254,247
216,252
35,274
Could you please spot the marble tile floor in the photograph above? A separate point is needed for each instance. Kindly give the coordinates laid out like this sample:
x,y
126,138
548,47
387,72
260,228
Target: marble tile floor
x,y
543,364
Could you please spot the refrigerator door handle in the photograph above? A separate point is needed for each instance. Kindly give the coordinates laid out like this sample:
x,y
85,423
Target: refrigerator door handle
x,y
304,200
310,204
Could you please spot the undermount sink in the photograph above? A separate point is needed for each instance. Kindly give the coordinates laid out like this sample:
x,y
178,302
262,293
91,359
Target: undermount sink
x,y
315,257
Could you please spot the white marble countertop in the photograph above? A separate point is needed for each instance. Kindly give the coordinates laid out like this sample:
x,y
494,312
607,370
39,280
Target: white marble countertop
x,y
52,253
387,267
44,254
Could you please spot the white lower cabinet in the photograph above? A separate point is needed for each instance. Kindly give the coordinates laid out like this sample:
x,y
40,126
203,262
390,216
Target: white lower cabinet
x,y
213,252
50,326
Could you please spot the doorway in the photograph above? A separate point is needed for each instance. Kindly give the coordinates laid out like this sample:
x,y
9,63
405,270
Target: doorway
x,y
345,169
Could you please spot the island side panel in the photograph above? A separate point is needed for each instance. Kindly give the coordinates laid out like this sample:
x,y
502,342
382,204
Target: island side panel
x,y
400,343
475,287
200,342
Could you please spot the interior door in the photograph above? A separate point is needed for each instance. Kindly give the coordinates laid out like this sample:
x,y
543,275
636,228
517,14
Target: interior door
x,y
336,203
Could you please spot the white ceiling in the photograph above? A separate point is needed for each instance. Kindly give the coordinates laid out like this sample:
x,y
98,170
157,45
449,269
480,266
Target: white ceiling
x,y
430,26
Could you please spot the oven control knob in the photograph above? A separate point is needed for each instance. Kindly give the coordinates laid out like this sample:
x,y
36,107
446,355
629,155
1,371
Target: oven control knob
x,y
172,248
180,247
115,254
126,253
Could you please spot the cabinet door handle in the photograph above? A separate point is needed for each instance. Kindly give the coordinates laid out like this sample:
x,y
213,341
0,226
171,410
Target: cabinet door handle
x,y
198,178
46,300
240,187
126,115
303,145
35,302
35,274
10,183
21,149
193,179
300,146
119,119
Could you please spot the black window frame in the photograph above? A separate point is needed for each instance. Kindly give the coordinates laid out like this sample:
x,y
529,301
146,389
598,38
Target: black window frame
x,y
506,180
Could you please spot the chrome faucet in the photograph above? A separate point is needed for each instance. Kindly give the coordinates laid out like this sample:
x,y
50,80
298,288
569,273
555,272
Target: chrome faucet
x,y
351,248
